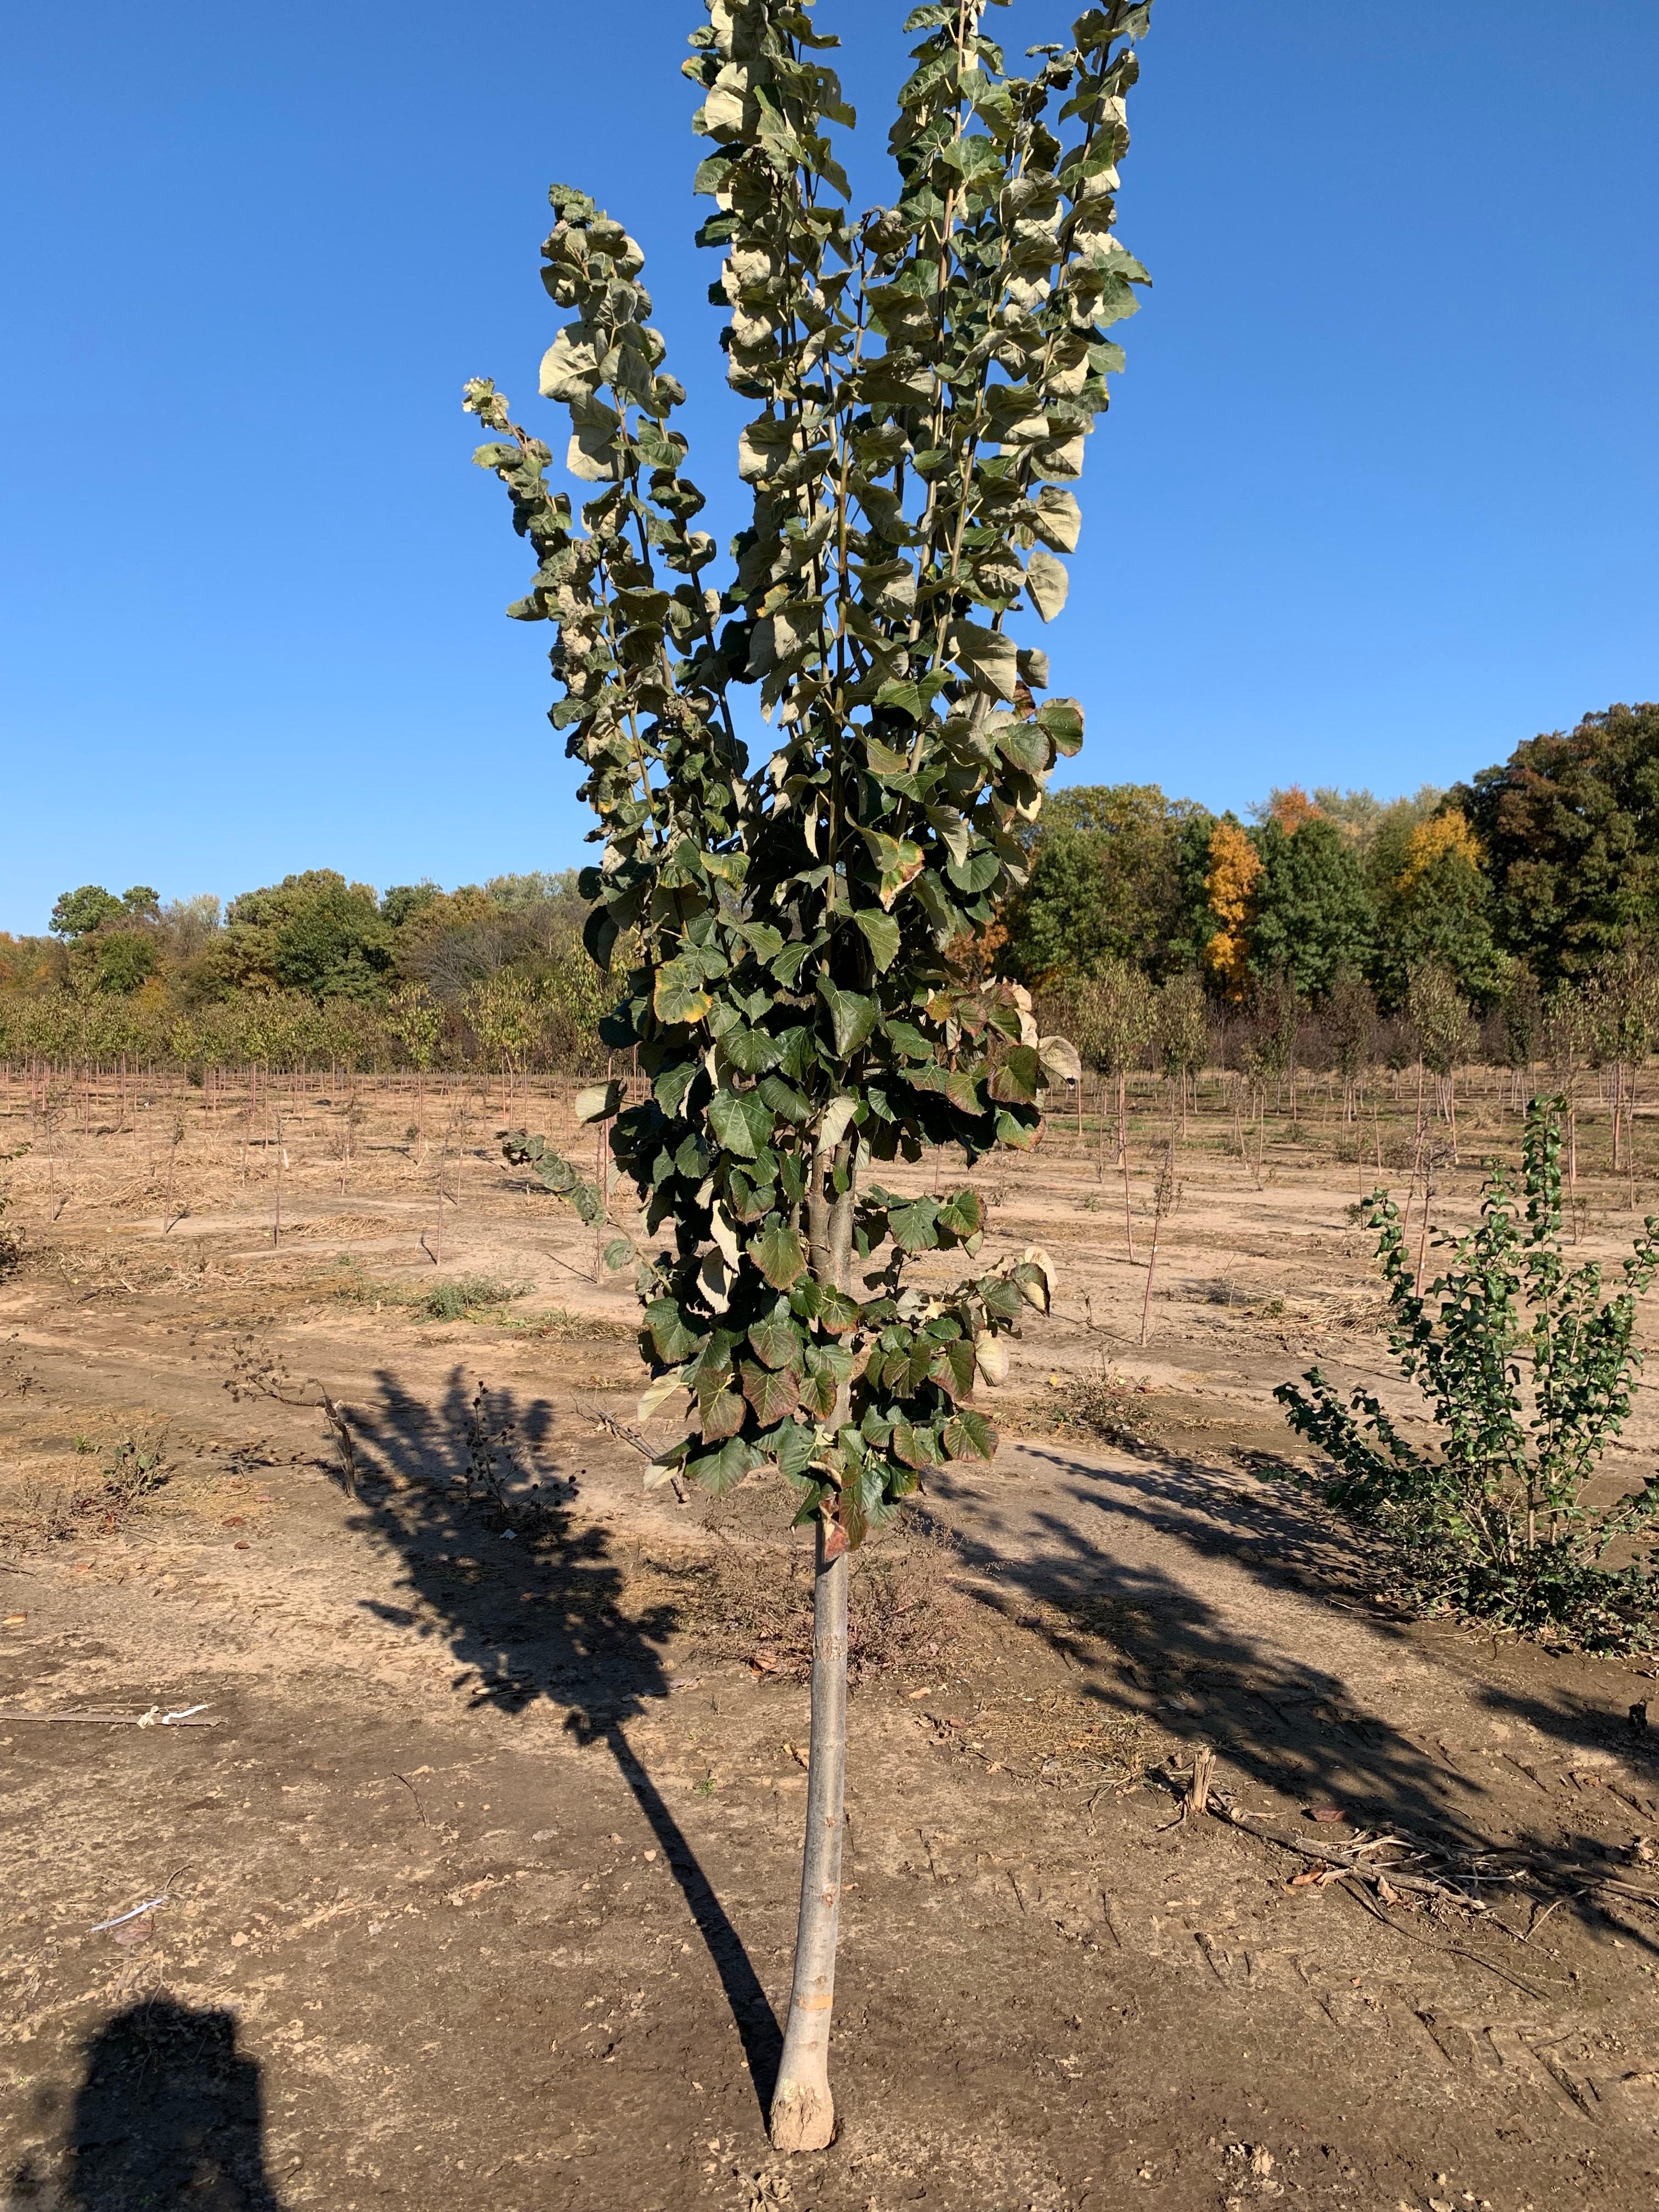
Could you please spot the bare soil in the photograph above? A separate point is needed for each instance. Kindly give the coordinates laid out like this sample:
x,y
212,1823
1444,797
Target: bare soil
x,y
474,1878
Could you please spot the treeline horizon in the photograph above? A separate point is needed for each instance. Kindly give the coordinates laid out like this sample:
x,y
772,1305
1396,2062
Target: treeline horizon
x,y
1515,908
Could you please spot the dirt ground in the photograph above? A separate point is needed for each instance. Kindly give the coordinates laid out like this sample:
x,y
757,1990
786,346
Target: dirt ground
x,y
472,1879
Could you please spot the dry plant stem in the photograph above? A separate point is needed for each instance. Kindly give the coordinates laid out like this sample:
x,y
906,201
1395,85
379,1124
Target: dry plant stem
x,y
802,2115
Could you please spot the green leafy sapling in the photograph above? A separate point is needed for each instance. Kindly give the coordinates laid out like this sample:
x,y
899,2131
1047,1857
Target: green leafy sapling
x,y
924,377
1528,1371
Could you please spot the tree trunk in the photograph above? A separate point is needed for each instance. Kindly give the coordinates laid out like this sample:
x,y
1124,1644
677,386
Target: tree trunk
x,y
802,2115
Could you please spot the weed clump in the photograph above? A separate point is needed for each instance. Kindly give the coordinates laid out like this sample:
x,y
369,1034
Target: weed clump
x,y
463,1294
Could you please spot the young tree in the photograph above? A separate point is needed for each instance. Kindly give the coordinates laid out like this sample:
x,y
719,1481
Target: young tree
x,y
1180,1029
1351,1022
1113,1025
925,377
415,1021
1439,1017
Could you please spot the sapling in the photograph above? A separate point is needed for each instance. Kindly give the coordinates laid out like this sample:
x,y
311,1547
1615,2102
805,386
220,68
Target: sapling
x,y
924,377
1527,1371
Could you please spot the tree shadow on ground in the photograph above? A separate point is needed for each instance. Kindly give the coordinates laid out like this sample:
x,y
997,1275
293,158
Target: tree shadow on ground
x,y
1146,1637
169,2113
533,1606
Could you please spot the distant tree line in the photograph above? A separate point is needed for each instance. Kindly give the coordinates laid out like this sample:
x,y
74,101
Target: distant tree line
x,y
312,969
1518,911
1534,883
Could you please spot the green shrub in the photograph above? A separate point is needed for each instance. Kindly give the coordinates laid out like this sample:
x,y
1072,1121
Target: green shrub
x,y
1528,1372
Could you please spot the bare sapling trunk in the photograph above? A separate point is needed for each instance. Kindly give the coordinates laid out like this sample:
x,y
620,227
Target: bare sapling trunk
x,y
803,2114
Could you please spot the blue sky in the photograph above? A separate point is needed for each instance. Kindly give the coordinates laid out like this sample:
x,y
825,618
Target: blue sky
x,y
1374,503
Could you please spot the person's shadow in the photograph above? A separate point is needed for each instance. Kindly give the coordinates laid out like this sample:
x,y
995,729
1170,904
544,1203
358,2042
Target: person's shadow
x,y
534,1606
169,2115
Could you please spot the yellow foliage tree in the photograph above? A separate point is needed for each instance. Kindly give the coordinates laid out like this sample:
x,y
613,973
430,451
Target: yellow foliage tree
x,y
1228,884
1447,833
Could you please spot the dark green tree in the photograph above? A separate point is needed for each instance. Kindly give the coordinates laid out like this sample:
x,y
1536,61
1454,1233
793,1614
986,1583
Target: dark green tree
x,y
1312,914
1116,874
1570,827
314,933
77,914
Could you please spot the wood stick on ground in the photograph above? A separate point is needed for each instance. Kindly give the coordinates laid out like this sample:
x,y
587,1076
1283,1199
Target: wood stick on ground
x,y
1350,1862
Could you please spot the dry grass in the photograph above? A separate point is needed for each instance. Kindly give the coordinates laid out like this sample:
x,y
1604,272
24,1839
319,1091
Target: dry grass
x,y
100,1502
752,1600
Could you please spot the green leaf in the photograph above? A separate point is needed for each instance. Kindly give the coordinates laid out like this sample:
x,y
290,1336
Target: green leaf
x,y
673,1340
795,1444
884,936
1015,1078
977,872
851,1015
773,1392
618,1252
1059,519
776,1340
750,1051
598,1103
785,1101
675,1000
722,1470
671,1086
899,860
728,1117
1063,721
968,1435
722,1416
917,1448
777,1253
912,1227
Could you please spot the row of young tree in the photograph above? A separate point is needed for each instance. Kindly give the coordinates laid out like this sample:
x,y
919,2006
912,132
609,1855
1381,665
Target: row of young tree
x,y
1533,874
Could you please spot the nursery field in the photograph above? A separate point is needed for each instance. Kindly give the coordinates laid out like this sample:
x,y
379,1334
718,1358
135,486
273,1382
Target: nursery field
x,y
466,1873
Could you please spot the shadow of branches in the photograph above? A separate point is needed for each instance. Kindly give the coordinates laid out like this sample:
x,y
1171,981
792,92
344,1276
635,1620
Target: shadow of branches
x,y
533,1604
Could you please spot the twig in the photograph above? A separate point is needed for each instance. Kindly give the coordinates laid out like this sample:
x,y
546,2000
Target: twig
x,y
1349,1861
624,1434
342,1433
1450,1950
415,1795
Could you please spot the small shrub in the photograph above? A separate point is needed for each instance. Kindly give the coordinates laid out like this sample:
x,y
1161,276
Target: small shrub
x,y
1492,1520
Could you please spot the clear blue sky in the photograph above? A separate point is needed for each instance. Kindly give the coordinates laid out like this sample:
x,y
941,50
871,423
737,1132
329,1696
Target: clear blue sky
x,y
1376,498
